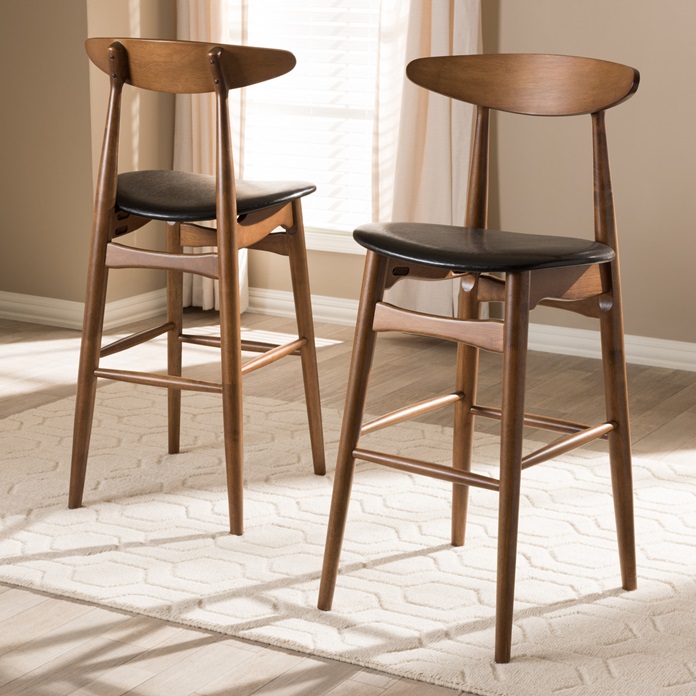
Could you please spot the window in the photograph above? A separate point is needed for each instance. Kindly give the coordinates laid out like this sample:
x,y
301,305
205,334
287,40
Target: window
x,y
316,123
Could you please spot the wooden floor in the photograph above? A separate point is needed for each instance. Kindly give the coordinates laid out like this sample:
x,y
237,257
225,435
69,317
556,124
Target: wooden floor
x,y
51,647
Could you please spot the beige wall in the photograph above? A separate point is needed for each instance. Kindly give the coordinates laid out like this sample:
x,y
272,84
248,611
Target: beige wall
x,y
45,175
48,138
333,275
147,124
652,144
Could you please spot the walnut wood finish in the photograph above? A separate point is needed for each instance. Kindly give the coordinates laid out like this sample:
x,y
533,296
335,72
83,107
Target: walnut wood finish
x,y
436,471
567,444
182,67
413,411
135,339
525,84
614,360
189,67
372,292
531,420
533,84
481,334
121,256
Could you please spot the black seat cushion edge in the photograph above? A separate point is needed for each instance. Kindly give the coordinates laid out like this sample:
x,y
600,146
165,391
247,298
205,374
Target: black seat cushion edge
x,y
186,197
465,249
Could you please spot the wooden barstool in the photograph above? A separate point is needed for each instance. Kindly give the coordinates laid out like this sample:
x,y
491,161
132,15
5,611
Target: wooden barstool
x,y
567,273
255,215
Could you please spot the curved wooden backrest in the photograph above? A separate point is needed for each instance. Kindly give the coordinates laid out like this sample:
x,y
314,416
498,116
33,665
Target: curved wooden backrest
x,y
183,67
534,84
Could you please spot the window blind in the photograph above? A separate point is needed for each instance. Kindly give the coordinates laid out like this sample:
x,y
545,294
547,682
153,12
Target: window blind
x,y
316,123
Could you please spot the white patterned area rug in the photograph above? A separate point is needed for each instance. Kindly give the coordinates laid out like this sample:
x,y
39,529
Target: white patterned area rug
x,y
152,540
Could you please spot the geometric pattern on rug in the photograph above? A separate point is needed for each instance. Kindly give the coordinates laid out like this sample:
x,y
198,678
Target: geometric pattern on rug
x,y
152,539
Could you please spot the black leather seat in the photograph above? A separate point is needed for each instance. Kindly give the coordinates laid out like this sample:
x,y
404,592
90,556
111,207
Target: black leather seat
x,y
186,197
463,249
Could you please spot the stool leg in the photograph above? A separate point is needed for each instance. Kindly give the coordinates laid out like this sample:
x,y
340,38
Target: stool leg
x,y
616,396
514,367
305,329
467,377
361,361
174,316
93,323
231,363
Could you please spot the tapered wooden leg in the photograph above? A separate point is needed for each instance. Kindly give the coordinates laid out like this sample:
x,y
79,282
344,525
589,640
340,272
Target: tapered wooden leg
x,y
514,367
361,362
305,329
95,301
467,375
231,362
616,396
174,316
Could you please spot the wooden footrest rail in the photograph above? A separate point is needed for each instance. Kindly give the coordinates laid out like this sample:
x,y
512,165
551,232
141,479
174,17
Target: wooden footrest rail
x,y
214,342
135,339
534,421
272,355
155,380
566,444
409,412
437,471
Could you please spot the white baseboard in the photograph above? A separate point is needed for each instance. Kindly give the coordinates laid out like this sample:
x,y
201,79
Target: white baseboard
x,y
68,315
279,303
640,350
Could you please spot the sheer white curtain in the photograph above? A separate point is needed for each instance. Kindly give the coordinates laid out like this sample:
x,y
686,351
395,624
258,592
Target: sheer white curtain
x,y
421,140
194,129
426,167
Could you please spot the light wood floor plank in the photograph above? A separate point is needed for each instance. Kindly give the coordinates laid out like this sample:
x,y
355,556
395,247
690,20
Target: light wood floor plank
x,y
54,642
248,677
407,687
29,625
14,601
351,687
311,677
71,669
200,667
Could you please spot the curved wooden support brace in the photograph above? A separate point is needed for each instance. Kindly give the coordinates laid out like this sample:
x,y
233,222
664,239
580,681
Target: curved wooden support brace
x,y
255,226
591,307
398,270
571,283
579,289
252,229
193,235
120,256
490,288
124,223
487,334
276,243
